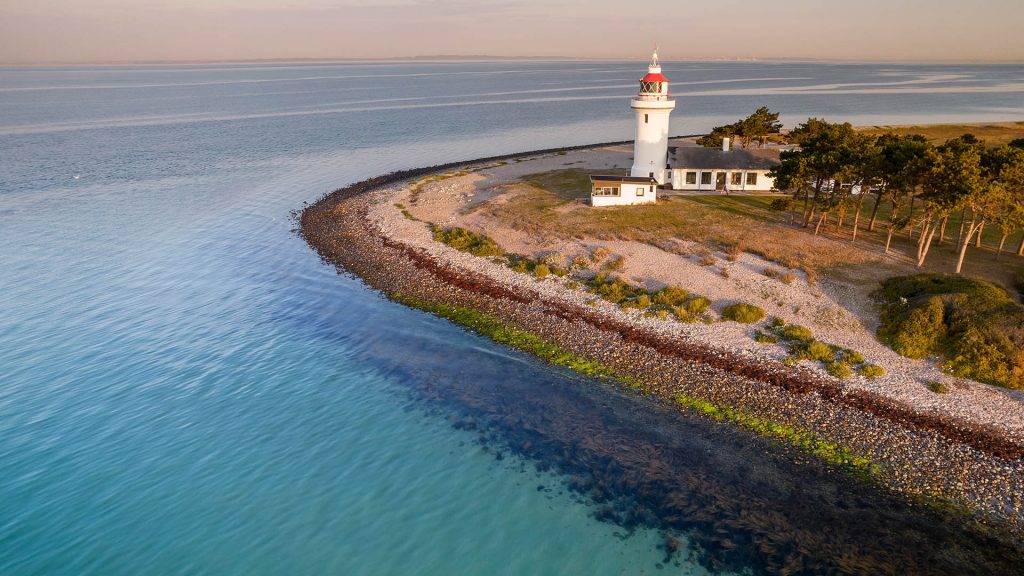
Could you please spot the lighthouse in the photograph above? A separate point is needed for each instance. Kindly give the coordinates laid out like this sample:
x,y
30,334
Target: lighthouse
x,y
652,106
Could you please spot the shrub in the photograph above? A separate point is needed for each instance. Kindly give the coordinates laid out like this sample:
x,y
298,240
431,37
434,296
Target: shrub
x,y
580,262
781,204
839,369
724,273
614,289
552,259
742,313
467,241
975,325
776,322
733,253
560,272
670,296
707,260
796,333
770,272
851,356
697,305
541,270
871,371
641,302
765,338
937,387
616,265
815,350
788,277
599,254
521,264
572,284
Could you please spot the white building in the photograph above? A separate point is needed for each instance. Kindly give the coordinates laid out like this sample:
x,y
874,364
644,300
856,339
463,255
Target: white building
x,y
622,190
696,168
652,106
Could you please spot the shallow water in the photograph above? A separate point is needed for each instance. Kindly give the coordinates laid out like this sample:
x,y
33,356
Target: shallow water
x,y
186,389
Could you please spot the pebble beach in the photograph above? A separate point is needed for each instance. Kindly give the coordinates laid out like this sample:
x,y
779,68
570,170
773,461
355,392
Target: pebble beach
x,y
964,448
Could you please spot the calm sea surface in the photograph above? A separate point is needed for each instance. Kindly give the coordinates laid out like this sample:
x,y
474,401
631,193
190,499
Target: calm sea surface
x,y
185,389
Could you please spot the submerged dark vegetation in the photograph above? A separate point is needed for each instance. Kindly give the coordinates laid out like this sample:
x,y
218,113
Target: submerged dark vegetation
x,y
975,326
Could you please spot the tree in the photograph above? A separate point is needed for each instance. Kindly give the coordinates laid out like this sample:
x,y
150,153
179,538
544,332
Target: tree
x,y
758,126
953,174
1006,166
902,161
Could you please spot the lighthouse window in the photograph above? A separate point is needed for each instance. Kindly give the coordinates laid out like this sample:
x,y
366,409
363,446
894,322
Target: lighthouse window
x,y
645,118
752,178
705,177
691,177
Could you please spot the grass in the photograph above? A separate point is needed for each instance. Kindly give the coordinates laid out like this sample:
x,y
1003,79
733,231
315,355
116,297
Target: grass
x,y
468,241
504,333
976,326
838,361
743,313
735,224
994,134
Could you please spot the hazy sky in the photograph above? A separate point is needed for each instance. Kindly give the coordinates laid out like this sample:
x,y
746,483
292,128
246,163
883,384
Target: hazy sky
x,y
137,30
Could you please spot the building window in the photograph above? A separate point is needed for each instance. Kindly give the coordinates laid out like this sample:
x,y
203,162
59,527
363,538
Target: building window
x,y
645,118
650,174
705,178
606,191
737,178
640,191
691,177
751,178
652,188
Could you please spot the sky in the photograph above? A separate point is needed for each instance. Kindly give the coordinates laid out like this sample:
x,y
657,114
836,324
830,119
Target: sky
x,y
65,31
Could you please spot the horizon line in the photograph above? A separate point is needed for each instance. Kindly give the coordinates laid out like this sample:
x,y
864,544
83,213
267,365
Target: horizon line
x,y
492,58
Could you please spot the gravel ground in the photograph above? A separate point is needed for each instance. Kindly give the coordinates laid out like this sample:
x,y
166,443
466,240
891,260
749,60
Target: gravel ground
x,y
963,447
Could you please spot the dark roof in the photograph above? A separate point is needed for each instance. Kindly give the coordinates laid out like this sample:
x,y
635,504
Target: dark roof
x,y
737,159
628,179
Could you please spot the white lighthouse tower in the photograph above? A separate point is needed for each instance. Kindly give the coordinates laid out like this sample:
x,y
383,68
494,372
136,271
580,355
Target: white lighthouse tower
x,y
652,106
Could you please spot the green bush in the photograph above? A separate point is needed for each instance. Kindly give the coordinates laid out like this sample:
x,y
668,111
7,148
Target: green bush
x,y
742,313
780,204
613,288
697,305
937,387
641,302
776,322
814,350
796,333
670,296
541,270
467,241
975,325
871,371
851,356
839,369
765,338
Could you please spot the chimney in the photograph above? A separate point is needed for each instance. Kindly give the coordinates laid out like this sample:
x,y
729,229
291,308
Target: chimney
x,y
725,144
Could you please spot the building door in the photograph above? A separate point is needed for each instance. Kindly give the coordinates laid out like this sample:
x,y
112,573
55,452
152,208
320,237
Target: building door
x,y
720,181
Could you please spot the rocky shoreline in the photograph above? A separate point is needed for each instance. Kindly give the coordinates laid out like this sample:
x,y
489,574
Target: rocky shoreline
x,y
917,453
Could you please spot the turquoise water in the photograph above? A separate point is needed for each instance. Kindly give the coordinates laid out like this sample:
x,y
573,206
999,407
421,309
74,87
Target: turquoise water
x,y
186,389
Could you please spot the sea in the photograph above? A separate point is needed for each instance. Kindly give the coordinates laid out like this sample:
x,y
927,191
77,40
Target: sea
x,y
185,388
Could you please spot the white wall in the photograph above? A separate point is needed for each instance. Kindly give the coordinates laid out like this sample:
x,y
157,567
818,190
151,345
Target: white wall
x,y
764,183
650,146
627,196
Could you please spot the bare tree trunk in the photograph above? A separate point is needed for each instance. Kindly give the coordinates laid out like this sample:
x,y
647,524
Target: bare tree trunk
x,y
926,244
981,229
856,217
822,220
963,218
963,245
888,238
1002,240
874,212
839,225
1020,250
910,217
942,230
920,241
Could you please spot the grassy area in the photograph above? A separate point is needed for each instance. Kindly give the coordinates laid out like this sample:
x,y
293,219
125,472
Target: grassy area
x,y
975,325
743,223
467,241
994,133
504,333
